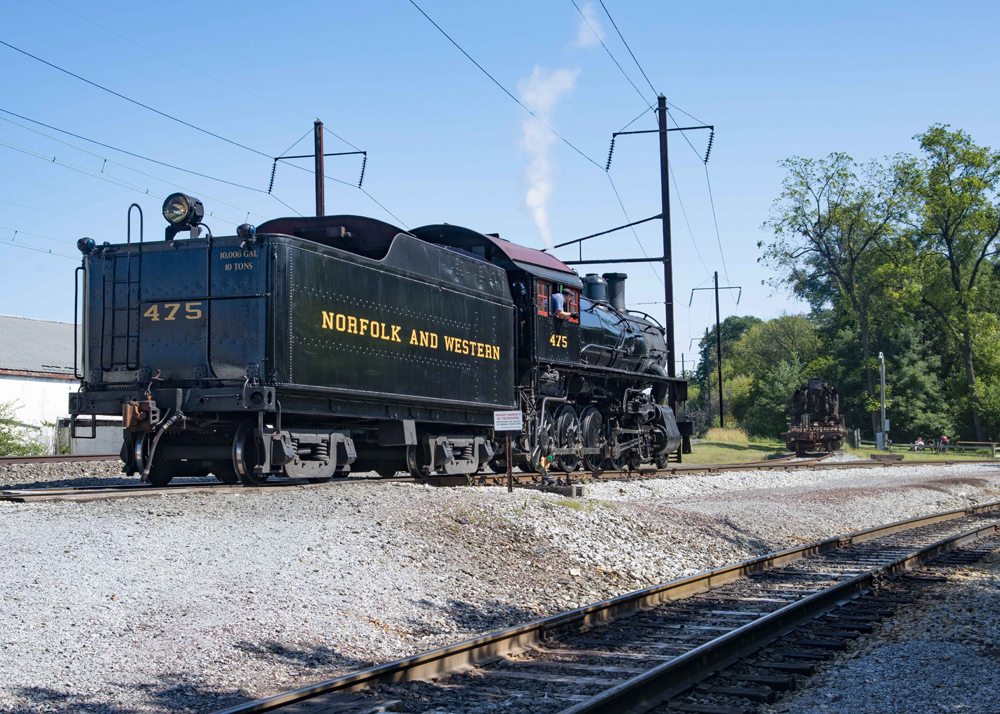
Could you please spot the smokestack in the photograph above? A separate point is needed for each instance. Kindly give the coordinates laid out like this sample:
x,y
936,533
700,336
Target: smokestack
x,y
616,289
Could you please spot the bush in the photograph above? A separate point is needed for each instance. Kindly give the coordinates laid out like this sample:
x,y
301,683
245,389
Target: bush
x,y
15,439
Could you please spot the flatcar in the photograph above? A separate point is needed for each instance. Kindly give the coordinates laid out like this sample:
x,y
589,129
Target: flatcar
x,y
815,421
313,347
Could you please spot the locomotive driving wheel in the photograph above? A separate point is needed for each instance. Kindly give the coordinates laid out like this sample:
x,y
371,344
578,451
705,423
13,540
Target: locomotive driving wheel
x,y
592,432
248,453
567,433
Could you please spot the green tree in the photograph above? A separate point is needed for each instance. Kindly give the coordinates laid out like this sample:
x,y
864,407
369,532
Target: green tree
x,y
828,225
15,440
766,344
957,222
771,398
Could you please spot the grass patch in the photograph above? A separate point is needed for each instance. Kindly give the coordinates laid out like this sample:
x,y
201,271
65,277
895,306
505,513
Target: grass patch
x,y
726,452
727,436
569,503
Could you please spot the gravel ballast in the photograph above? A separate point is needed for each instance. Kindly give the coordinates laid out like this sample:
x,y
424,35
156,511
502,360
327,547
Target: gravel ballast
x,y
194,602
941,654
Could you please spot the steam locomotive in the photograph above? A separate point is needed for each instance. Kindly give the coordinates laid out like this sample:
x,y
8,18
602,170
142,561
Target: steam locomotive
x,y
815,421
314,347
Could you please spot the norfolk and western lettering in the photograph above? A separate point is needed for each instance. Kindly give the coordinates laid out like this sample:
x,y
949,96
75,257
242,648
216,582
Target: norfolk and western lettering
x,y
374,329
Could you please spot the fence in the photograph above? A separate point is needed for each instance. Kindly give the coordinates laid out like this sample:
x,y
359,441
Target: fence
x,y
936,446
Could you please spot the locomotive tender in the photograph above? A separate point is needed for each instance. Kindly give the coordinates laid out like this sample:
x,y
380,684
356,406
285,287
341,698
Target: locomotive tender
x,y
312,347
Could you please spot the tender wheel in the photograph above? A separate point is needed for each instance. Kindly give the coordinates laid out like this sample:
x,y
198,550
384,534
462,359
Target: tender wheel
x,y
567,433
662,461
415,461
159,474
225,473
386,471
592,432
247,454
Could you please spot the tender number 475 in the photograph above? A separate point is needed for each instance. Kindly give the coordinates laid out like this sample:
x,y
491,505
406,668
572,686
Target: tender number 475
x,y
558,341
192,311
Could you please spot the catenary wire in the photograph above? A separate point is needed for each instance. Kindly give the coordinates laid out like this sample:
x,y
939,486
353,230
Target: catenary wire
x,y
134,101
504,89
173,118
123,151
624,73
686,222
196,70
116,163
718,236
64,215
628,48
30,247
629,220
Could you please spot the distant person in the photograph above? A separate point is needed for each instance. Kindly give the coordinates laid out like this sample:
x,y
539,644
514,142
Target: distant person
x,y
944,442
918,445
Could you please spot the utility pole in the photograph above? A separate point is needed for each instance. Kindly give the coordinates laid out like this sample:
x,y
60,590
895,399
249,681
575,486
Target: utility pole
x,y
718,340
668,272
318,139
882,429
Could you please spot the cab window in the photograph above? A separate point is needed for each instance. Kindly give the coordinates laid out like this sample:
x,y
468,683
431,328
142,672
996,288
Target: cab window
x,y
542,297
573,305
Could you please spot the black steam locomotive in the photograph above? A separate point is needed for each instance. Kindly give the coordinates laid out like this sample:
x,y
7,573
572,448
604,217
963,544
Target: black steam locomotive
x,y
815,421
311,347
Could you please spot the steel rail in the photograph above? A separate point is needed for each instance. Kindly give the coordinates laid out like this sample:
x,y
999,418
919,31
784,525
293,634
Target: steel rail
x,y
650,689
469,654
523,479
56,459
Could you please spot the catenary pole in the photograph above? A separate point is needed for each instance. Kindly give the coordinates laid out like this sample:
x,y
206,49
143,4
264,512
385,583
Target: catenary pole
x,y
318,140
668,271
718,348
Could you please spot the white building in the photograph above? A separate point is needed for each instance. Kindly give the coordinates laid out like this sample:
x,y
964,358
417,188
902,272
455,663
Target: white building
x,y
36,374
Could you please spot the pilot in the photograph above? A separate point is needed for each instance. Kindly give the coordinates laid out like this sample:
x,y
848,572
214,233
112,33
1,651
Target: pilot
x,y
559,301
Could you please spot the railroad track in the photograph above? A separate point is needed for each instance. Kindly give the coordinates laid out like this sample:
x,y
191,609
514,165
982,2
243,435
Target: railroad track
x,y
56,459
521,479
728,637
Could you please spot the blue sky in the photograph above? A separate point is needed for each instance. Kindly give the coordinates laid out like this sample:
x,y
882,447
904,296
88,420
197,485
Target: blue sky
x,y
444,143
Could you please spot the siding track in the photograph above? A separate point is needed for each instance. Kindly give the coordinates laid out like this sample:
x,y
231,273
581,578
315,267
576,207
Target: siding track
x,y
636,652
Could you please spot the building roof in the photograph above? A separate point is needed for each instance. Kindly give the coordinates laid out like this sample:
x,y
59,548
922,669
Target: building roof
x,y
40,346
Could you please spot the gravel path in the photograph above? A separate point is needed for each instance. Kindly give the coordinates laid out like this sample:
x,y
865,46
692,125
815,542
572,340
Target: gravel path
x,y
196,602
942,654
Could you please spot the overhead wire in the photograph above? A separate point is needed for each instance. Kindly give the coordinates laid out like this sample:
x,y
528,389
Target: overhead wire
x,y
195,69
686,222
12,242
715,220
628,48
629,220
181,121
504,89
624,73
123,151
64,215
133,101
114,163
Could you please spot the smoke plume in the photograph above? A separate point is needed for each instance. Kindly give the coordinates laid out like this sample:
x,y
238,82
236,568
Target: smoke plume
x,y
540,92
589,32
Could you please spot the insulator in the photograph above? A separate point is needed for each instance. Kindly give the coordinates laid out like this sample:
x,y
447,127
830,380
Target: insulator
x,y
708,151
611,152
364,163
273,171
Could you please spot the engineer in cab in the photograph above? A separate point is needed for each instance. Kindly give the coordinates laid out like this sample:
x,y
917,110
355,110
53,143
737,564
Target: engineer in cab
x,y
562,304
